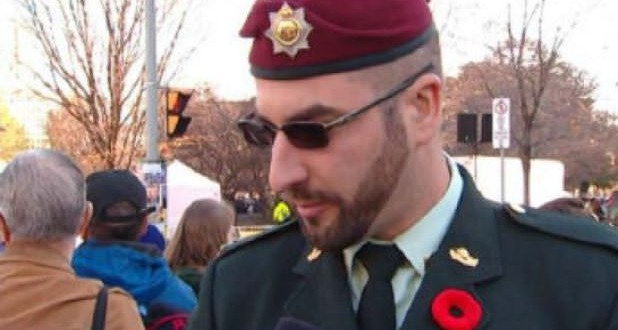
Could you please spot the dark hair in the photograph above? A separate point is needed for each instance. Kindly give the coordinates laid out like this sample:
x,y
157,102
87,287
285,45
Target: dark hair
x,y
117,231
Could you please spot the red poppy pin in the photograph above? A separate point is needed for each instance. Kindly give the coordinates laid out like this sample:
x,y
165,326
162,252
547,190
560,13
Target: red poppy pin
x,y
455,309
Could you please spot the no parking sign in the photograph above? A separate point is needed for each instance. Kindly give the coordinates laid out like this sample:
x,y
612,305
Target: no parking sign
x,y
501,124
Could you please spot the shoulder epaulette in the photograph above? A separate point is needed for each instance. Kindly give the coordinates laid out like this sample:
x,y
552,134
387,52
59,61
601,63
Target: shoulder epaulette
x,y
264,235
566,226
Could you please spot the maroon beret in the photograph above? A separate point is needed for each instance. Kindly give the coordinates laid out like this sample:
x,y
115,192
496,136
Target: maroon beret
x,y
301,38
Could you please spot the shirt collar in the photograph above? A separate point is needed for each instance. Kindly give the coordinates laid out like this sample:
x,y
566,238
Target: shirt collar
x,y
37,253
421,240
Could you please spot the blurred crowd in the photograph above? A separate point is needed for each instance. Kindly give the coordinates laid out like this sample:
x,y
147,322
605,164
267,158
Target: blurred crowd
x,y
589,201
124,266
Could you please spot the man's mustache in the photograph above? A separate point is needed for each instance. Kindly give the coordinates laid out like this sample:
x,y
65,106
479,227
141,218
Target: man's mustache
x,y
303,193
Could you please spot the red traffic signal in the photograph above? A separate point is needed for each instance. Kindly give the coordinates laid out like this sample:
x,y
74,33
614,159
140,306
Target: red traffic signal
x,y
175,105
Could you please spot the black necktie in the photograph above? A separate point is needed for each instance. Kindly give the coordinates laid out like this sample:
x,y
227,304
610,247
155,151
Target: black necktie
x,y
376,310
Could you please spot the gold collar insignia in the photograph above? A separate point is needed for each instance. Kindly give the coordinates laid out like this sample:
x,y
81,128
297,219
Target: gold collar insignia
x,y
462,256
517,208
314,254
288,30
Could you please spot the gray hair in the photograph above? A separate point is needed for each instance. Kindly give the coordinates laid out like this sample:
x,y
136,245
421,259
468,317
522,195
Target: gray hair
x,y
42,195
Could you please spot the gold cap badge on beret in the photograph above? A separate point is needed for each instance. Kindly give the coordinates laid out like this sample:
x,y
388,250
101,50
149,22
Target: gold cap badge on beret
x,y
288,30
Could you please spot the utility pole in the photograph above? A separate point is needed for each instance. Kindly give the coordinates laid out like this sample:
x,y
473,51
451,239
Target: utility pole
x,y
152,167
152,129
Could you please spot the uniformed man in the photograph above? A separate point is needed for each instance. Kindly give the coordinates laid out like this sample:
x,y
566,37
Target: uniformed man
x,y
392,233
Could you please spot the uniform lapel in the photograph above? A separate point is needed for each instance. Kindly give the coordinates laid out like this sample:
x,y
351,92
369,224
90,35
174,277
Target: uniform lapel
x,y
474,229
323,297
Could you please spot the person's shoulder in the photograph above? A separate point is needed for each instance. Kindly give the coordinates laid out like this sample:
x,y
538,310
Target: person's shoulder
x,y
280,235
92,288
123,311
564,226
119,294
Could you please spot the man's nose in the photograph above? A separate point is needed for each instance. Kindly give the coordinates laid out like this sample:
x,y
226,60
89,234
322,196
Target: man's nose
x,y
286,165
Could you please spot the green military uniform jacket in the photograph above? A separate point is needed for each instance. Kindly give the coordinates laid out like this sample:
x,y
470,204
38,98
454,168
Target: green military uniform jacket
x,y
535,270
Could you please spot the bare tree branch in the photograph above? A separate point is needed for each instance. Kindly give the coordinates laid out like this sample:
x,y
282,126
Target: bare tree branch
x,y
95,67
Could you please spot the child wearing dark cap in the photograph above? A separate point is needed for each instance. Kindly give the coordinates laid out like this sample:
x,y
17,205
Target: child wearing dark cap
x,y
112,253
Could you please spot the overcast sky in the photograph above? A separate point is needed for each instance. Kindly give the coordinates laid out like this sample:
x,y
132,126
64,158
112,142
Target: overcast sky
x,y
467,26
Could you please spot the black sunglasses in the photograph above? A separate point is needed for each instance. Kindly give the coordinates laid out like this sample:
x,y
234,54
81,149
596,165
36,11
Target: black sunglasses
x,y
309,134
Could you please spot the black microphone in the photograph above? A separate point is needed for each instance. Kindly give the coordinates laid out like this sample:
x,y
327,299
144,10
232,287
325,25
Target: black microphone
x,y
289,323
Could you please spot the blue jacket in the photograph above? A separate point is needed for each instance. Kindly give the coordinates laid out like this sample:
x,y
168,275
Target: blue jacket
x,y
153,236
138,269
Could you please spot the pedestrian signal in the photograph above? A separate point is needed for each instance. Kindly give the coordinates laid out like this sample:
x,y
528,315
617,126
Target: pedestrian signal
x,y
175,105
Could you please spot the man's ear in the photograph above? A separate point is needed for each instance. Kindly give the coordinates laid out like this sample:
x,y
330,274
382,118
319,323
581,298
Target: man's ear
x,y
425,97
86,217
4,229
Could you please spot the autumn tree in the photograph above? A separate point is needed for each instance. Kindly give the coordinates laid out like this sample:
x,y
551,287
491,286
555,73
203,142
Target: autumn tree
x,y
568,128
530,65
214,146
60,128
592,157
12,135
94,71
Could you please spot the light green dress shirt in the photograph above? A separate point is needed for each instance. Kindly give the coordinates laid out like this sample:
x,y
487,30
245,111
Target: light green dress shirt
x,y
417,244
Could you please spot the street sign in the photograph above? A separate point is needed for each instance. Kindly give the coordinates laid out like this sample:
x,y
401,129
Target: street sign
x,y
501,124
154,177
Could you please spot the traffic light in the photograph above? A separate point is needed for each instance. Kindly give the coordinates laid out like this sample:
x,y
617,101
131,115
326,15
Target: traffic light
x,y
176,103
466,127
486,128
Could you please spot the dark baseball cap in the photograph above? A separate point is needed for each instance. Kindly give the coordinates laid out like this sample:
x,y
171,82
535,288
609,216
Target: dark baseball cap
x,y
107,188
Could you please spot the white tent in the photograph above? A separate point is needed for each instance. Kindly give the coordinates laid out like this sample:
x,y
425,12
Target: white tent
x,y
546,178
184,185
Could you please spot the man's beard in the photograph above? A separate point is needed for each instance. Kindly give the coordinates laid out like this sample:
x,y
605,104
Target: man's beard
x,y
375,190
